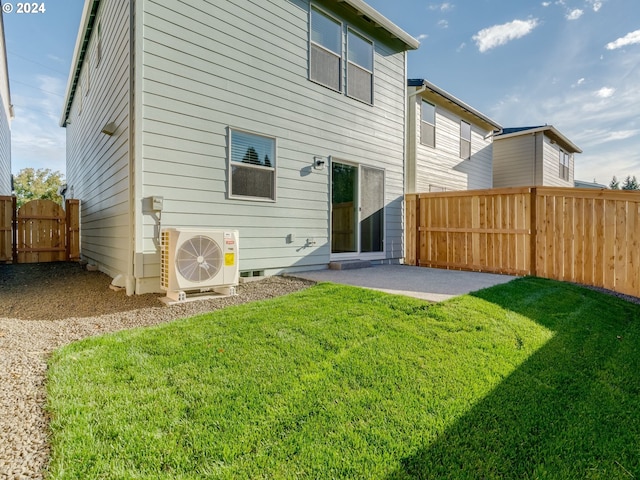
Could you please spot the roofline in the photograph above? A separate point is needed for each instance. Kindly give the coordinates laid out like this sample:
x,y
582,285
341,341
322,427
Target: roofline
x,y
88,18
380,20
9,106
84,32
568,144
453,99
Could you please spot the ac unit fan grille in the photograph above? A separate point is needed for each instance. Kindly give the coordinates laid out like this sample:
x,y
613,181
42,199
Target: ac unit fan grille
x,y
199,259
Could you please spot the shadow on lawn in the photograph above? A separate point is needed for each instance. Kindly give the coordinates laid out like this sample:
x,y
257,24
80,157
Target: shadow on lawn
x,y
569,411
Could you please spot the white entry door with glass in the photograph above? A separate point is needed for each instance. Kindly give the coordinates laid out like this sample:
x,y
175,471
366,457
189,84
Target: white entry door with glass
x,y
357,211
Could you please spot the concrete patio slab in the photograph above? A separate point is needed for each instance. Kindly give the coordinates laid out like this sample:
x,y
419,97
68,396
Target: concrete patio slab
x,y
431,284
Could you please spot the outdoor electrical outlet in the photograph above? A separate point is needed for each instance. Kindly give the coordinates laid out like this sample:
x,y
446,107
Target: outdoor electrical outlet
x,y
291,238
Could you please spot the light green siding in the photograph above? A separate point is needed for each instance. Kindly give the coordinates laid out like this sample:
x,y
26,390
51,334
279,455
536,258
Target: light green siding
x,y
210,67
5,119
98,164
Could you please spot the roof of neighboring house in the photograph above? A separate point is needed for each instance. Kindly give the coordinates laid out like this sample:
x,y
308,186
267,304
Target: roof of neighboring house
x,y
549,130
583,184
420,82
362,9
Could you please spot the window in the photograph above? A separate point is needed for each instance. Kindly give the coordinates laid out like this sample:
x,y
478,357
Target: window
x,y
465,140
428,124
325,51
564,164
359,67
252,165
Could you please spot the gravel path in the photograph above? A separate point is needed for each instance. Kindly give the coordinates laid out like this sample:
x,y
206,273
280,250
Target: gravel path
x,y
45,306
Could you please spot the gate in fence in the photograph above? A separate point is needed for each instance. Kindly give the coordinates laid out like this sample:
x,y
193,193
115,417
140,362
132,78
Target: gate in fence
x,y
39,231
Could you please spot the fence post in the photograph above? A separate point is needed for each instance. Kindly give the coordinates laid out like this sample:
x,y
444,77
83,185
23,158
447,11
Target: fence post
x,y
533,232
418,230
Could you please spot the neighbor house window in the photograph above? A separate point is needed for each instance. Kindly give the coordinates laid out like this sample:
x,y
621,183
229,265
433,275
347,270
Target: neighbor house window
x,y
252,165
428,124
465,140
359,67
564,164
325,50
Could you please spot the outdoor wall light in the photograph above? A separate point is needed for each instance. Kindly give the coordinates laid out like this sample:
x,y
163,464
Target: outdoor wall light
x,y
109,128
319,163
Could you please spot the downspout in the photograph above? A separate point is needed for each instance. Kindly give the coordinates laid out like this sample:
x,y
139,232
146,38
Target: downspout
x,y
535,157
131,280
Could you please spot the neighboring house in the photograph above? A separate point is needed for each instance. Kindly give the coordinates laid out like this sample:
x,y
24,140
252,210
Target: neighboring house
x,y
6,114
283,119
449,143
584,184
528,156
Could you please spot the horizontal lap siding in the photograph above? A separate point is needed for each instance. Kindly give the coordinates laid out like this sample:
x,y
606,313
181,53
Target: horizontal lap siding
x,y
211,65
5,154
513,161
551,166
97,164
441,168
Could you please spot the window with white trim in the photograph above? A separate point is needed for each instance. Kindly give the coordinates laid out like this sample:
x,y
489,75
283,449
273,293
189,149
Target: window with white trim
x,y
325,50
359,67
563,161
465,140
428,124
252,165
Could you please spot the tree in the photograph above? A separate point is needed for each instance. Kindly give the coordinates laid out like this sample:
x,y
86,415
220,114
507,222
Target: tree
x,y
251,157
630,183
615,184
31,184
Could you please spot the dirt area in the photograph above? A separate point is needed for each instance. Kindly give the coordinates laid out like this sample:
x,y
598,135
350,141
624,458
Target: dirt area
x,y
46,306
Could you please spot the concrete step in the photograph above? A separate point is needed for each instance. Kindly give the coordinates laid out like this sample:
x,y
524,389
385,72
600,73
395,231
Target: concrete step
x,y
349,264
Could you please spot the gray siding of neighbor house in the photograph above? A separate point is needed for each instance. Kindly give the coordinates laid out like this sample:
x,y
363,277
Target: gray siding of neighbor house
x,y
98,164
528,159
5,118
513,161
440,168
551,166
208,67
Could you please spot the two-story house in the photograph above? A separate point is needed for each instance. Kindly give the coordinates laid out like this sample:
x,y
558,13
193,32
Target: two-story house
x,y
449,143
527,156
282,119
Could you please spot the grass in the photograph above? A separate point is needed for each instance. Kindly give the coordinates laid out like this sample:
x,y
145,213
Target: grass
x,y
532,379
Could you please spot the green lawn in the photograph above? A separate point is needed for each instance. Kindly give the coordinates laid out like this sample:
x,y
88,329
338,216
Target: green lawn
x,y
532,379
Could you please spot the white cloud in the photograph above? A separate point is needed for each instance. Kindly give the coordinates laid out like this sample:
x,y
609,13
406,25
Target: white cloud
x,y
461,47
595,4
605,92
546,4
575,14
443,7
578,83
443,24
422,36
492,37
631,38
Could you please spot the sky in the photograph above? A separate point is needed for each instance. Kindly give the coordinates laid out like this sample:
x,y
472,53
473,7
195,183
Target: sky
x,y
573,64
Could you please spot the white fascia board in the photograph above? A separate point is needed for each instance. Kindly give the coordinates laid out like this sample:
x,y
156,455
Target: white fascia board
x,y
382,21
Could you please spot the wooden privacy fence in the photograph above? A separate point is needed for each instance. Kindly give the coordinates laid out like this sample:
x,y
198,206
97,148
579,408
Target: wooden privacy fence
x,y
39,231
577,235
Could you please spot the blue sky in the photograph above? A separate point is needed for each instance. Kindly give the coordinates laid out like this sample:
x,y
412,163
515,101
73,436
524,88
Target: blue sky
x,y
573,64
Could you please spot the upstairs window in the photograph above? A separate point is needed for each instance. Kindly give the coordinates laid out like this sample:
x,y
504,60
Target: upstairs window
x,y
428,124
325,51
359,67
465,140
564,165
252,166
